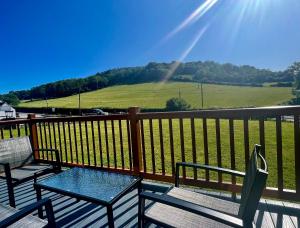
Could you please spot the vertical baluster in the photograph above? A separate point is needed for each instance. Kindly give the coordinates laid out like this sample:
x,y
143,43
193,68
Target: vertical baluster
x,y
2,134
161,147
182,146
26,129
297,153
50,139
121,143
81,142
87,142
59,140
129,144
152,146
75,141
279,154
18,130
94,145
70,141
232,149
54,135
106,143
46,140
114,142
143,147
219,156
100,144
205,145
172,146
194,155
65,141
262,136
10,132
41,139
246,142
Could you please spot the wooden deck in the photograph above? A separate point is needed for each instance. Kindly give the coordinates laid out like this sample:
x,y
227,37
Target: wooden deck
x,y
72,213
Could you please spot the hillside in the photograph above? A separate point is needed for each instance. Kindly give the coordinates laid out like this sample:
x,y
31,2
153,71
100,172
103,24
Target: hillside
x,y
206,72
155,95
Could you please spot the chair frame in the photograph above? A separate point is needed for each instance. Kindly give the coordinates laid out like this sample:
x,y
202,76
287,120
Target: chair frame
x,y
28,210
12,182
195,208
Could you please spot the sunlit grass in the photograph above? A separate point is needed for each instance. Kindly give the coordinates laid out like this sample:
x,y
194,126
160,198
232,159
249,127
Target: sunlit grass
x,y
153,95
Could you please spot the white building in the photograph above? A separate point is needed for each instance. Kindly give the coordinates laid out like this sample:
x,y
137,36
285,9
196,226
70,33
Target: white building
x,y
6,111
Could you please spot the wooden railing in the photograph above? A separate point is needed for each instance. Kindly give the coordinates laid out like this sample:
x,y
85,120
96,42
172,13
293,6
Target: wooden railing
x,y
150,144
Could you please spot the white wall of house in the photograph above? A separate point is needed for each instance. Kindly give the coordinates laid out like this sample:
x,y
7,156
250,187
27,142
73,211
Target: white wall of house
x,y
6,111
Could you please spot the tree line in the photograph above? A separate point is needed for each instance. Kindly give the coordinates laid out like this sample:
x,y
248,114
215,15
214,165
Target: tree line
x,y
206,72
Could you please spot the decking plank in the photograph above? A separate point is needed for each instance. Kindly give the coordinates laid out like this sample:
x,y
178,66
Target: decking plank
x,y
294,211
279,215
72,213
262,216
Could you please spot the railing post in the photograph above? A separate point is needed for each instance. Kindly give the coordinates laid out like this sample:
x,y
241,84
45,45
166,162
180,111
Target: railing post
x,y
135,131
297,152
33,135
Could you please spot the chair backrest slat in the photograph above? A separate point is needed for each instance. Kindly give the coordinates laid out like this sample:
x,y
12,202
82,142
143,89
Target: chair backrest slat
x,y
16,152
253,185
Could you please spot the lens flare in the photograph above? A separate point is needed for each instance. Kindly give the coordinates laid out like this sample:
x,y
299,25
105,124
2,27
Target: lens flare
x,y
194,17
176,64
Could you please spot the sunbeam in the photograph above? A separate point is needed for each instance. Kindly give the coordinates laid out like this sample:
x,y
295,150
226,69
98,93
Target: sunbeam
x,y
195,16
185,53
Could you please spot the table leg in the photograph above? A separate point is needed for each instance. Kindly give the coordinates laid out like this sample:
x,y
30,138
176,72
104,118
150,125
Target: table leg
x,y
39,197
141,206
110,216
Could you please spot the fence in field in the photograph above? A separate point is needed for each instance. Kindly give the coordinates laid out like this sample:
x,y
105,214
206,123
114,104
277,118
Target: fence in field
x,y
150,144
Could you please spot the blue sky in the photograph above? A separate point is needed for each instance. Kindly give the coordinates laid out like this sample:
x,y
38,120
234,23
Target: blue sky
x,y
49,40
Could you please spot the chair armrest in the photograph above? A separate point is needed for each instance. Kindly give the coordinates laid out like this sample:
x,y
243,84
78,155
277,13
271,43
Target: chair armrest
x,y
155,187
57,158
206,167
6,166
194,208
28,210
6,170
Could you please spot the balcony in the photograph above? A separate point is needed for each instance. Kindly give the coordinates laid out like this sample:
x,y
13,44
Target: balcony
x,y
150,144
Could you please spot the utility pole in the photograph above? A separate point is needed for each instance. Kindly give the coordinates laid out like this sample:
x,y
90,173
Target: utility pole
x,y
202,94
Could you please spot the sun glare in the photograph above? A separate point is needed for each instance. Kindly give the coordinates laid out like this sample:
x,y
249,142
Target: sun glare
x,y
192,18
190,47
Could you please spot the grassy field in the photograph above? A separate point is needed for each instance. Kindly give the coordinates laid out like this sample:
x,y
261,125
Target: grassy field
x,y
155,95
85,152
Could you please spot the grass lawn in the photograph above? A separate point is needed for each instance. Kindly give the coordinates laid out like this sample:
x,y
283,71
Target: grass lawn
x,y
67,145
155,95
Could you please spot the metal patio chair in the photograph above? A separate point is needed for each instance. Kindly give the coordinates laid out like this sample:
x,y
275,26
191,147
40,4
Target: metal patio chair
x,y
17,163
183,208
12,217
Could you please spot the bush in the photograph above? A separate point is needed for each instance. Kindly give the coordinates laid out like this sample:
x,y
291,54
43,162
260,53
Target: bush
x,y
177,104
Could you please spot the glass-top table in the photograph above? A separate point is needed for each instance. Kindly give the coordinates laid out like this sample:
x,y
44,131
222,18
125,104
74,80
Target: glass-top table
x,y
100,187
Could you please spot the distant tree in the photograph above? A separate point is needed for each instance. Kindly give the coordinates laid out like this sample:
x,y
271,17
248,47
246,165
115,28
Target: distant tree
x,y
177,104
294,70
10,98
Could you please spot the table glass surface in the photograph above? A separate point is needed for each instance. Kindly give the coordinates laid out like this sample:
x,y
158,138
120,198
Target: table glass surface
x,y
99,185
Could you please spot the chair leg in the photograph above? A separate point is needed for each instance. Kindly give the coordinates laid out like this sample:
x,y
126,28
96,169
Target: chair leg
x,y
10,191
141,211
50,215
10,186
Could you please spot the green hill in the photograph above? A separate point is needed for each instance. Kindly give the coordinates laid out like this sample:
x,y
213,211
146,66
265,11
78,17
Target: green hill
x,y
155,95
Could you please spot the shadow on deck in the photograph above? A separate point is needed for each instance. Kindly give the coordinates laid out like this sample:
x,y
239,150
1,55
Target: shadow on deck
x,y
72,213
